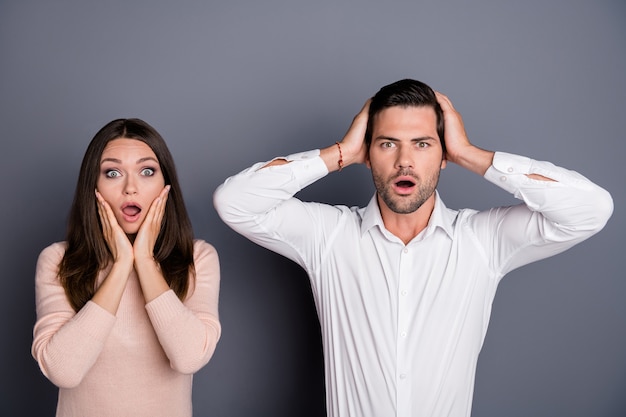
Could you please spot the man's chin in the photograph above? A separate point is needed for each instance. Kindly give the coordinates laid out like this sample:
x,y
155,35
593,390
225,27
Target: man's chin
x,y
402,207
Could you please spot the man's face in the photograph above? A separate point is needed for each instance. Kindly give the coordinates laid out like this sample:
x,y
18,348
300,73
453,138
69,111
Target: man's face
x,y
405,157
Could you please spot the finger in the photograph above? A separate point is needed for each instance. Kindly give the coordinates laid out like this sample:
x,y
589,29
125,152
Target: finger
x,y
161,203
366,106
110,227
102,211
107,212
443,100
156,212
163,200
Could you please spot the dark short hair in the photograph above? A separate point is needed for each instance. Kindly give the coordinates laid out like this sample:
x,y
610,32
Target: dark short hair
x,y
404,93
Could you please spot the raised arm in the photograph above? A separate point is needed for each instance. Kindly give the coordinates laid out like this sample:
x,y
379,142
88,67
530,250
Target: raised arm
x,y
458,147
561,207
259,202
351,149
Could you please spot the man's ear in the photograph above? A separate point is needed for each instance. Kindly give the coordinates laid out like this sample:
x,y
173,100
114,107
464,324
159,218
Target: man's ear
x,y
368,164
444,162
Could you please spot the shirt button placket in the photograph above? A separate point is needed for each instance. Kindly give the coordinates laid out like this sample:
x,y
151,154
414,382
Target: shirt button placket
x,y
403,365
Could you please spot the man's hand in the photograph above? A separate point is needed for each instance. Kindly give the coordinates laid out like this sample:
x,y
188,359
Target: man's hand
x,y
353,148
455,136
458,147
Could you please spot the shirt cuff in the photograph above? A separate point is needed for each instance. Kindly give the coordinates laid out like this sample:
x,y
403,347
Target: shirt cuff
x,y
508,171
306,167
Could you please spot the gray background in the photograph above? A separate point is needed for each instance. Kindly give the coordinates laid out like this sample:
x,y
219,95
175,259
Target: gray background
x,y
231,83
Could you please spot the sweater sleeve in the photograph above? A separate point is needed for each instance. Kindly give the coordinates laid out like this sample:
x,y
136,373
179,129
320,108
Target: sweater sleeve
x,y
66,344
188,331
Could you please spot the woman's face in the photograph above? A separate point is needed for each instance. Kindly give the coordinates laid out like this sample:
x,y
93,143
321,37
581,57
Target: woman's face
x,y
130,179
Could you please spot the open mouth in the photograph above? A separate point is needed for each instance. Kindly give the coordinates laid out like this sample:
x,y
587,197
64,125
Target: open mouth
x,y
131,211
404,185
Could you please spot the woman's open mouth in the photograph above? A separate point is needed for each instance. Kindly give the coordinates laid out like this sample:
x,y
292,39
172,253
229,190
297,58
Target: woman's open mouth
x,y
131,212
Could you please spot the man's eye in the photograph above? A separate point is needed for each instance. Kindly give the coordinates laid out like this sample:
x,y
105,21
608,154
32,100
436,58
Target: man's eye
x,y
387,144
111,173
422,145
148,172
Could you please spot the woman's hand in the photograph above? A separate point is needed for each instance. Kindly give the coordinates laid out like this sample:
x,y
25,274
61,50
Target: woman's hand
x,y
114,235
143,247
151,278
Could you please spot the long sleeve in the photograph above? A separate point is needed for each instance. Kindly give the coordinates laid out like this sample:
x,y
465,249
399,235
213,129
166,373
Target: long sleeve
x,y
66,344
189,331
259,204
555,215
403,323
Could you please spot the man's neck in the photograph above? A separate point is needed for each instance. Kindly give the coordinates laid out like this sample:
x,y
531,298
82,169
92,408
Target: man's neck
x,y
407,226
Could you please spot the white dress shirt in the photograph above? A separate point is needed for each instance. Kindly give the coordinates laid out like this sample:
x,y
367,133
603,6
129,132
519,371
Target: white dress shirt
x,y
402,325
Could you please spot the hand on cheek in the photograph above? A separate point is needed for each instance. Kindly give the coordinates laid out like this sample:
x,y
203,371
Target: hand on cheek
x,y
116,239
151,227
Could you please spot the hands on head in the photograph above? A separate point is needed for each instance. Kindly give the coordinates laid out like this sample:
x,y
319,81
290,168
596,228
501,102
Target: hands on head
x,y
455,136
355,150
459,150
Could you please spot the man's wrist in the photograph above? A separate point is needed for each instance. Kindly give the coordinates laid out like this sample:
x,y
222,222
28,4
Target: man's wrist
x,y
474,159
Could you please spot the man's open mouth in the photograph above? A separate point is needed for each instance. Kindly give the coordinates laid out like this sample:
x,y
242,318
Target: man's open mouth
x,y
405,184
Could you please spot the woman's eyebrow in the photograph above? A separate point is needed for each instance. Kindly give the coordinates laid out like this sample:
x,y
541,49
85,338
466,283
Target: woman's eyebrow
x,y
139,161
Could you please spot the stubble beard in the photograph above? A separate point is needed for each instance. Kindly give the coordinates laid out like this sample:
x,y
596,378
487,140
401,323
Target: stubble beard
x,y
409,203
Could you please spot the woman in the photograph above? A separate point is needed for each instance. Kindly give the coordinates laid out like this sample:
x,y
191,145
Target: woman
x,y
127,306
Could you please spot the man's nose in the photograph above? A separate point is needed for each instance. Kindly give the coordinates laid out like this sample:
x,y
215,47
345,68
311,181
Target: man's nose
x,y
404,159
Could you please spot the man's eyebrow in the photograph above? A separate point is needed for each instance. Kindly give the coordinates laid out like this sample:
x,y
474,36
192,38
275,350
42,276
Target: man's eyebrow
x,y
386,138
419,139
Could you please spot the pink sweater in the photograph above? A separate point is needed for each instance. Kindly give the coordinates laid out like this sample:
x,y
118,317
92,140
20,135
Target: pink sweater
x,y
139,362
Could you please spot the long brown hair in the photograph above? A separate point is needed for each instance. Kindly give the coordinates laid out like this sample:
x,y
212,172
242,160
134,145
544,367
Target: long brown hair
x,y
87,252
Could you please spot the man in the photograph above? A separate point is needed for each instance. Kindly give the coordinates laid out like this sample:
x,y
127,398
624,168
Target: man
x,y
404,286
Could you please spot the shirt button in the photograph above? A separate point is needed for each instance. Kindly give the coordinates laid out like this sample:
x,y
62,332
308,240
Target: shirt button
x,y
510,169
402,376
405,250
403,334
403,292
503,178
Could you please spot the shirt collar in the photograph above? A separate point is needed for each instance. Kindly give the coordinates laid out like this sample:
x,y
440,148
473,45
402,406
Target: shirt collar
x,y
441,217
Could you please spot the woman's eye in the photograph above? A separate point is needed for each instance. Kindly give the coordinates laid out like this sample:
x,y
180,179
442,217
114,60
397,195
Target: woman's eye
x,y
148,172
111,173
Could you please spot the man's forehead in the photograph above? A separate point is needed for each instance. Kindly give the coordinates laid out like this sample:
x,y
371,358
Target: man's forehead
x,y
406,115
